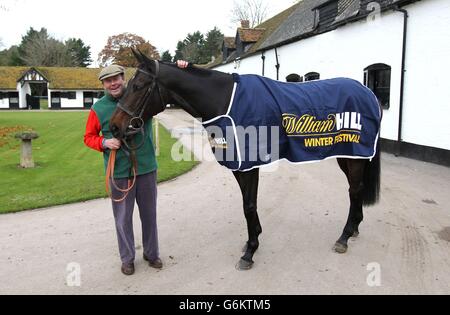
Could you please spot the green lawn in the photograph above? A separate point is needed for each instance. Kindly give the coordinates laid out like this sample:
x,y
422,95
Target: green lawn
x,y
67,171
44,103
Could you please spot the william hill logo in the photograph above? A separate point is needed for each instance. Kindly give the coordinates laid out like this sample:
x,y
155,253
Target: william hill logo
x,y
337,128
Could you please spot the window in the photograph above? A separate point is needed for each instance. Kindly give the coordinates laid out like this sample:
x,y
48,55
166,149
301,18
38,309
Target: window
x,y
377,77
2,95
55,99
69,95
311,76
13,98
294,77
99,94
88,99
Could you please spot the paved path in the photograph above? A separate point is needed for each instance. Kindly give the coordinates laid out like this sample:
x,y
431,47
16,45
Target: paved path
x,y
202,229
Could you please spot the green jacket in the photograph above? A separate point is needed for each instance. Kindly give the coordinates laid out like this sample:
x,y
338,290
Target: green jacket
x,y
146,160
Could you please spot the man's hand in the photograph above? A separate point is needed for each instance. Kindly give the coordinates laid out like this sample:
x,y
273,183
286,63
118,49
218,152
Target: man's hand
x,y
112,144
182,64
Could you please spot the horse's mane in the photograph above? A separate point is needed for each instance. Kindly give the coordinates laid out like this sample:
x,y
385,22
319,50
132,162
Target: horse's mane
x,y
193,69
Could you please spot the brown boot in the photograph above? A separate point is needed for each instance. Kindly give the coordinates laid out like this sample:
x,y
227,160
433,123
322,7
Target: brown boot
x,y
128,269
157,263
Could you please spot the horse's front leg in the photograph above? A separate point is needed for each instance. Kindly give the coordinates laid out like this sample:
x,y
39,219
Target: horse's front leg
x,y
248,182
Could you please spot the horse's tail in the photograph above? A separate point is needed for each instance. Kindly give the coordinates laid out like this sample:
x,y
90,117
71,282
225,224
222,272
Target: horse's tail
x,y
372,176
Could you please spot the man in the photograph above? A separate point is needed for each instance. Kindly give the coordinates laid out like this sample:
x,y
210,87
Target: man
x,y
144,192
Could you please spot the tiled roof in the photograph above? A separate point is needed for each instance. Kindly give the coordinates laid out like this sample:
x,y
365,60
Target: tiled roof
x,y
10,75
301,21
298,22
230,42
272,24
250,35
59,78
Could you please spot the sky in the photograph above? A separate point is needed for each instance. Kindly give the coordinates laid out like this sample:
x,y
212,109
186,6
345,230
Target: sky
x,y
162,23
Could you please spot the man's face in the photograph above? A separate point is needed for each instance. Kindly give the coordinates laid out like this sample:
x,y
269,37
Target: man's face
x,y
114,85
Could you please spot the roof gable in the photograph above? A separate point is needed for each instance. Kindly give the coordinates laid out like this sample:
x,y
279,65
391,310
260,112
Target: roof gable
x,y
33,75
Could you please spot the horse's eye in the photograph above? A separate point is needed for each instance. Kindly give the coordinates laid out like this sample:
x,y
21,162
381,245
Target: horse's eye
x,y
136,87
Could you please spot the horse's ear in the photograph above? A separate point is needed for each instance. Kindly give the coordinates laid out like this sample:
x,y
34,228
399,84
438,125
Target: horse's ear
x,y
145,58
137,55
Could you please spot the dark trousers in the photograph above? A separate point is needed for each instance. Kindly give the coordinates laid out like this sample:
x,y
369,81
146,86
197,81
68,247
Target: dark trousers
x,y
144,193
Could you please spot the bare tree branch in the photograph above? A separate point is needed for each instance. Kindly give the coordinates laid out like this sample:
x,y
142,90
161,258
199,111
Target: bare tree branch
x,y
254,11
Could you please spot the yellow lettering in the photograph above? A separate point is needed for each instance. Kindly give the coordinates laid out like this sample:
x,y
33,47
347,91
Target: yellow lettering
x,y
307,124
319,142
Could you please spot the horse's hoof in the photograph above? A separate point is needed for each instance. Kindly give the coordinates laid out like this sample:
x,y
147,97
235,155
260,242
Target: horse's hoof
x,y
355,234
340,248
244,265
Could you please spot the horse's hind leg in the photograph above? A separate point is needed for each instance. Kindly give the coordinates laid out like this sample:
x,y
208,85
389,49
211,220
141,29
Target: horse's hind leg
x,y
354,170
248,182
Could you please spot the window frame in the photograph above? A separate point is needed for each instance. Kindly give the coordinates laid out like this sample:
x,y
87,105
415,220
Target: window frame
x,y
378,78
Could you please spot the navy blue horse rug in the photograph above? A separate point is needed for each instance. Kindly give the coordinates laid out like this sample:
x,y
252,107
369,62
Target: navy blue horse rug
x,y
268,121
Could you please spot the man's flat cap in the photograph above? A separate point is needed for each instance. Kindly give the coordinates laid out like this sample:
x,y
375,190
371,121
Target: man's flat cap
x,y
110,71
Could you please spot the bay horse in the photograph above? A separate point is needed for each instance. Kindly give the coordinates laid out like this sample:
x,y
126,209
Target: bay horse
x,y
206,94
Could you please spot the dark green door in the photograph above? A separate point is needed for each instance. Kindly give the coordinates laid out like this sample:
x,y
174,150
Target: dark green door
x,y
88,99
55,100
13,100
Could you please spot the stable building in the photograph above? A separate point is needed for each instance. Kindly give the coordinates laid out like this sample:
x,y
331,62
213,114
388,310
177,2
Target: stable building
x,y
64,88
395,47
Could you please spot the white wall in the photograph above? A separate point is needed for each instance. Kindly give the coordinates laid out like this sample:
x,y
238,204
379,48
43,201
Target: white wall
x,y
4,103
427,97
76,103
23,91
348,50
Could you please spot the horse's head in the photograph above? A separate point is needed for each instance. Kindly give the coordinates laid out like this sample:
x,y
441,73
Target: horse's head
x,y
141,101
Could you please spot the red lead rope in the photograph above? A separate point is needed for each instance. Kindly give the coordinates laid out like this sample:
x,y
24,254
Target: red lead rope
x,y
110,176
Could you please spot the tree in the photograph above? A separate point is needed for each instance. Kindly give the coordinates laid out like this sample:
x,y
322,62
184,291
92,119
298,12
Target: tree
x,y
166,56
79,52
39,49
118,50
213,45
192,47
178,51
32,35
198,48
10,57
254,11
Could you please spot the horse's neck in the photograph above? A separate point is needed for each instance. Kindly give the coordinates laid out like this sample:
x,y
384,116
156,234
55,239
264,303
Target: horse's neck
x,y
206,94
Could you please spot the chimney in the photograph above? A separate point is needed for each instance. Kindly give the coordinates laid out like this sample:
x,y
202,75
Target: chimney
x,y
245,24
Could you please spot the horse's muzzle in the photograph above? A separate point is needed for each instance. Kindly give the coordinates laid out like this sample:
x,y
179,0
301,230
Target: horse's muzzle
x,y
116,132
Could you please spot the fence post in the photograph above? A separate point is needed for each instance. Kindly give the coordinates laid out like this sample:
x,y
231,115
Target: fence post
x,y
156,138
